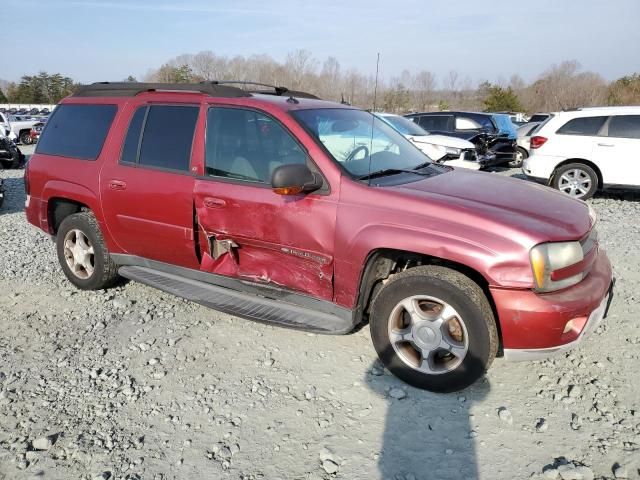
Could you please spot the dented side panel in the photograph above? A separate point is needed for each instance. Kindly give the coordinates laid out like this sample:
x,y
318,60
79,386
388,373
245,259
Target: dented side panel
x,y
281,240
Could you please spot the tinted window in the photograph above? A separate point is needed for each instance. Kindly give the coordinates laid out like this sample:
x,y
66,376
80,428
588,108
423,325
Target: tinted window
x,y
582,126
130,149
167,137
248,145
77,131
538,118
434,123
625,126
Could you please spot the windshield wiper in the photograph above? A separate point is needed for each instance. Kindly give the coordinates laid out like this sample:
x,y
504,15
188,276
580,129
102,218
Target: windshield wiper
x,y
390,171
422,165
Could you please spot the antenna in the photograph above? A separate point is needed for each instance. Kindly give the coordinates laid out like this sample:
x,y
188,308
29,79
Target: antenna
x,y
373,116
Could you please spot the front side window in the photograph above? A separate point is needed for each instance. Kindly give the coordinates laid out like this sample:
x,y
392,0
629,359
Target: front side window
x,y
625,126
582,126
359,141
248,145
77,131
167,136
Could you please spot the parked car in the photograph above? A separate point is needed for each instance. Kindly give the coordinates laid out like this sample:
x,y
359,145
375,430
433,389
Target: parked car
x,y
19,125
36,130
2,192
10,154
523,142
451,151
582,151
251,206
481,129
540,117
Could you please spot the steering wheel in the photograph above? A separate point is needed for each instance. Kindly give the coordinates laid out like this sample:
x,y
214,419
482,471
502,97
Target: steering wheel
x,y
356,151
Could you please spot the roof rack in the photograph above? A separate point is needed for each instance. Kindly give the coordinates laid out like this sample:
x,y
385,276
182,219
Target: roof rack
x,y
131,89
212,88
278,91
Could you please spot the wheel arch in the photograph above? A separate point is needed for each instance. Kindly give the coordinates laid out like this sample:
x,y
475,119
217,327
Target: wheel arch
x,y
579,160
66,198
382,263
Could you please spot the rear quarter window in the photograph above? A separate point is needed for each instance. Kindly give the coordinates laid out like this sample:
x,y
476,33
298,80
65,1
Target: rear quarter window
x,y
582,126
77,131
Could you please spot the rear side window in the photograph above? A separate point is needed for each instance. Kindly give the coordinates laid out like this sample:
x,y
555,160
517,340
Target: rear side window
x,y
77,131
435,123
582,126
625,126
167,136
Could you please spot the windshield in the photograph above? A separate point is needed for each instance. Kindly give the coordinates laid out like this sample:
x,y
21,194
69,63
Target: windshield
x,y
404,125
359,141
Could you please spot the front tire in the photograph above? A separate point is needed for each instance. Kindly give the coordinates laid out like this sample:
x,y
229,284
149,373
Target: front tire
x,y
433,328
576,180
82,253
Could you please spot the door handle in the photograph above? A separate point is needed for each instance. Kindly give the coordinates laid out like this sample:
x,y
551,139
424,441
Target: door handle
x,y
117,185
605,144
212,202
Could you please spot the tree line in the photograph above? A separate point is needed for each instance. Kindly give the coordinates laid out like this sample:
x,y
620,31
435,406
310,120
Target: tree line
x,y
560,87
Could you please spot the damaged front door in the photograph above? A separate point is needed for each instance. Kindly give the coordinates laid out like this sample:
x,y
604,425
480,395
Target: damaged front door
x,y
247,230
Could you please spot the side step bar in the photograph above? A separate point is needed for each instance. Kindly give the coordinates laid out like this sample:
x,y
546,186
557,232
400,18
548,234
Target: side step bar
x,y
238,303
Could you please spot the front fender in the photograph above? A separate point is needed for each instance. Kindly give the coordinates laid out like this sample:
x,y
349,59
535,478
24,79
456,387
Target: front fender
x,y
506,268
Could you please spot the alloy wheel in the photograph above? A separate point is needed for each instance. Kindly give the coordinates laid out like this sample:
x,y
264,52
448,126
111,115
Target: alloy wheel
x,y
575,182
428,334
79,254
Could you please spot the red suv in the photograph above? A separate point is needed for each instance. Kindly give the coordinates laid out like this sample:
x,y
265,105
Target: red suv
x,y
283,208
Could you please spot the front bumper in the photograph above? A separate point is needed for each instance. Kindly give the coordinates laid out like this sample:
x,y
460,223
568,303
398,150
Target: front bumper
x,y
536,326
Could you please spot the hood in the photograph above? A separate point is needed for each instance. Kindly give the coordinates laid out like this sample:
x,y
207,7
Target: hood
x,y
523,211
442,140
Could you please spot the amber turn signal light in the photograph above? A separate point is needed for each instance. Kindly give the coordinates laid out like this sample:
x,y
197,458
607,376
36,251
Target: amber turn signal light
x,y
288,190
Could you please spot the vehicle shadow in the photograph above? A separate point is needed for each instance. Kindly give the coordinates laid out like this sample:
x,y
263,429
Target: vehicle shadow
x,y
14,196
427,435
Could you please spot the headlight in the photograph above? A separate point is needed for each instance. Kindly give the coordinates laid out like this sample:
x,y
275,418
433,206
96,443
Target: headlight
x,y
550,257
453,151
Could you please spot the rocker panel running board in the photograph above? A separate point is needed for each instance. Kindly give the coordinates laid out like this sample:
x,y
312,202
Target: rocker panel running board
x,y
239,303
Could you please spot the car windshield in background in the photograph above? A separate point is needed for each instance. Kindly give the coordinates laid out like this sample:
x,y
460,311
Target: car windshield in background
x,y
360,141
404,125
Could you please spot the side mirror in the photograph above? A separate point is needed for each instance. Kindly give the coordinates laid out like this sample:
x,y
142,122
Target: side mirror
x,y
295,179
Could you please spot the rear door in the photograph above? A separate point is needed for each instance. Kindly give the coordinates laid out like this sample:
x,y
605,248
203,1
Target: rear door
x,y
248,231
576,138
147,194
617,150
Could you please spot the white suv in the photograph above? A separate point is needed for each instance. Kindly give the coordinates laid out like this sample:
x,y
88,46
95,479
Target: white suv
x,y
581,151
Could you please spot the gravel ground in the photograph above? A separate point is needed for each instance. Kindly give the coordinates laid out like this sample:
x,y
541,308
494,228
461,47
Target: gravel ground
x,y
131,383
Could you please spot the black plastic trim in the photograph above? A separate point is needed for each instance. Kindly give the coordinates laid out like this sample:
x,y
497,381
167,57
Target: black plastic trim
x,y
252,288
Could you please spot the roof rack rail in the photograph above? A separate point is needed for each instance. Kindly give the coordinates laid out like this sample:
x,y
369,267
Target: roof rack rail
x,y
213,88
279,91
131,89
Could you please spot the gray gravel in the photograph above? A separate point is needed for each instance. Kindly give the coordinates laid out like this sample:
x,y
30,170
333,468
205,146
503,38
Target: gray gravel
x,y
131,383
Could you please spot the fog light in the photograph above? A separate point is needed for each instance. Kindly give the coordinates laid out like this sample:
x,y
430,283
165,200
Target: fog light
x,y
568,327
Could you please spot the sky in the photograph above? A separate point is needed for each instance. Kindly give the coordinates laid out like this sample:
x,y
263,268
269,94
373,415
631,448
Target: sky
x,y
99,40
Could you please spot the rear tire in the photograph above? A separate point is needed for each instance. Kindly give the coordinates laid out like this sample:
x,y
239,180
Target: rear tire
x,y
450,338
25,138
83,254
577,180
521,155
